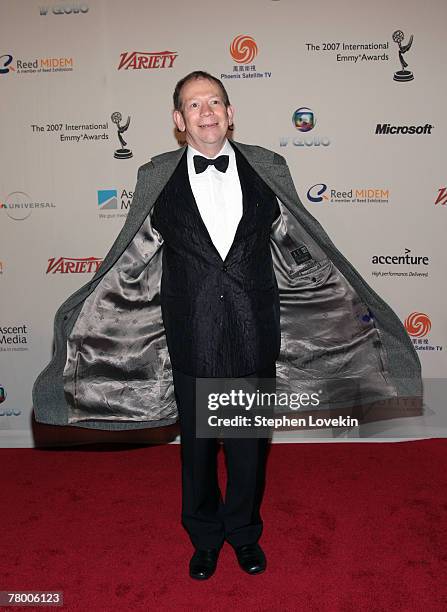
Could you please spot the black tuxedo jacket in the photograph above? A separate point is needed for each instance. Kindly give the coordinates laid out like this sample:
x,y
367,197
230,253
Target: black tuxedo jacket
x,y
222,317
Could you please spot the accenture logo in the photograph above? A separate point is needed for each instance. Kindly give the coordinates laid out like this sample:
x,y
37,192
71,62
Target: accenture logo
x,y
243,49
387,128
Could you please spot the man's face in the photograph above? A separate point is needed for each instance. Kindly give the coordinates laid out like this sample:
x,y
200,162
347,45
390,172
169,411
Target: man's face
x,y
203,117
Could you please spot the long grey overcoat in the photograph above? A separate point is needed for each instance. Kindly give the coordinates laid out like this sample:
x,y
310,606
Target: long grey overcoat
x,y
111,367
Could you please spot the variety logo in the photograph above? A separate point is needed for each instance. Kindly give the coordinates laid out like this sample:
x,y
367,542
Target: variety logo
x,y
304,120
387,128
65,9
366,195
137,60
243,49
18,205
14,338
36,65
442,196
72,265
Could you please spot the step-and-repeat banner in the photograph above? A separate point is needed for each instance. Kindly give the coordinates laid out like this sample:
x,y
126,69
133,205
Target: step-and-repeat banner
x,y
352,94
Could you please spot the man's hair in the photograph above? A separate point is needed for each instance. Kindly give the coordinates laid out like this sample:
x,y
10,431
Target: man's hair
x,y
197,74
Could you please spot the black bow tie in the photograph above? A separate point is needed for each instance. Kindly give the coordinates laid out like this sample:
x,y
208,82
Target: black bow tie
x,y
202,163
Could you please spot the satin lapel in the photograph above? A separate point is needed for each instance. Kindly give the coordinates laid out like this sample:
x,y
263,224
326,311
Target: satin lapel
x,y
154,182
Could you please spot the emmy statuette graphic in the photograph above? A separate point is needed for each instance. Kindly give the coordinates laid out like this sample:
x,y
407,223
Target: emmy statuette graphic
x,y
122,153
402,75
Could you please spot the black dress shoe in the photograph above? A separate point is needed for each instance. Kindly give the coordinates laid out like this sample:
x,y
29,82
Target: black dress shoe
x,y
251,558
203,563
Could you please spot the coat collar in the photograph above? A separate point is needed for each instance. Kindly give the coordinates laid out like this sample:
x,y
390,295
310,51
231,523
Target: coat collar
x,y
262,160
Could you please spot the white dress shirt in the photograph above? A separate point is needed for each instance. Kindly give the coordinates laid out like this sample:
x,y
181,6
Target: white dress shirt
x,y
218,197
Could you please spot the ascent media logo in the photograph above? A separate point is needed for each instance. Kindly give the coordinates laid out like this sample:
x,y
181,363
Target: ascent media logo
x,y
73,265
147,60
14,337
2,394
387,128
110,201
107,199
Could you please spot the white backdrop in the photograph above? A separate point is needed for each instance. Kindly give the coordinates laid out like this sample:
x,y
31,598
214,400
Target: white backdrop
x,y
60,69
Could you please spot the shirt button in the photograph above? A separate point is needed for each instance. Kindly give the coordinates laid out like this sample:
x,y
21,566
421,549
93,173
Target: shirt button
x,y
221,297
224,268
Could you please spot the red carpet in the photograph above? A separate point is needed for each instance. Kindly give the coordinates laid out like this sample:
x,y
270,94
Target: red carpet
x,y
348,527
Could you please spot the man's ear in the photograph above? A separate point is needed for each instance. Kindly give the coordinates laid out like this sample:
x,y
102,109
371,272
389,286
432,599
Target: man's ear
x,y
230,114
178,120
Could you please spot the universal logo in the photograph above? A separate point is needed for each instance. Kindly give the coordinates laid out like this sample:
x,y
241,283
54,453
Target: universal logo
x,y
64,9
18,205
320,193
304,120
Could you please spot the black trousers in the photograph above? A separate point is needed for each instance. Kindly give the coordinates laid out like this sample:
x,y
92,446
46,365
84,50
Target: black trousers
x,y
206,516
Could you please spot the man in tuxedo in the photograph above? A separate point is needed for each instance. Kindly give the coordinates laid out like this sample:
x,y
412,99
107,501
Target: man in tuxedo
x,y
220,307
216,251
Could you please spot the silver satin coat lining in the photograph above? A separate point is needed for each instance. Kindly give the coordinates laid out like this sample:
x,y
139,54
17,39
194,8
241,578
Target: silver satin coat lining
x,y
118,365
